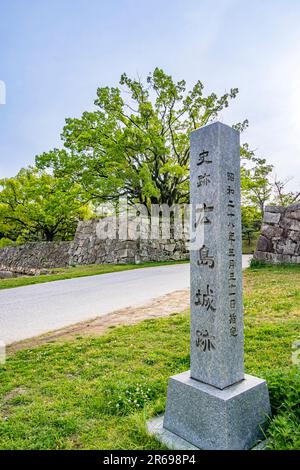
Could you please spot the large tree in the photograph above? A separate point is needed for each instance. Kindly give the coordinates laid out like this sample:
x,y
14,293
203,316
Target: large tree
x,y
36,206
135,144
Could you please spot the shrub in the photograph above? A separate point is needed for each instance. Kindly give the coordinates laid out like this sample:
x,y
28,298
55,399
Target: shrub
x,y
5,242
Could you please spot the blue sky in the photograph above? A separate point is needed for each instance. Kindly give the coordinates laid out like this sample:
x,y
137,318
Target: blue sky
x,y
54,54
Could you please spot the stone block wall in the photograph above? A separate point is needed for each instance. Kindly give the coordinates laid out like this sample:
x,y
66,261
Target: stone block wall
x,y
279,241
93,244
32,258
91,247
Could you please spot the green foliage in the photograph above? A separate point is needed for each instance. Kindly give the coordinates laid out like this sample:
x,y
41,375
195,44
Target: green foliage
x,y
251,218
284,432
248,248
284,389
136,142
251,223
255,180
20,240
5,242
35,205
256,264
136,145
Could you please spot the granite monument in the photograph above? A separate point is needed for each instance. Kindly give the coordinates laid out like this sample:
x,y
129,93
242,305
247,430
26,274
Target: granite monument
x,y
215,405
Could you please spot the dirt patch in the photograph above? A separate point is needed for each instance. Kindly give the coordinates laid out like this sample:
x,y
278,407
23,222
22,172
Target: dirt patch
x,y
14,393
161,307
5,405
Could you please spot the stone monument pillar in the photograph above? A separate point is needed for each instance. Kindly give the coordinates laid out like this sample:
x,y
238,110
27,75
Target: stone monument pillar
x,y
214,405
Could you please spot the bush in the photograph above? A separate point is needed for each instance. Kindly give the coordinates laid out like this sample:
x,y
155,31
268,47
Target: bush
x,y
5,242
21,240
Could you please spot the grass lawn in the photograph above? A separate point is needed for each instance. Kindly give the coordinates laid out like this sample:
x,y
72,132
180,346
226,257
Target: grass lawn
x,y
59,274
97,393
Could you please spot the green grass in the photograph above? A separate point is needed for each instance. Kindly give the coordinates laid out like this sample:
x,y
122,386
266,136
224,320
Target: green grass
x,y
59,274
96,393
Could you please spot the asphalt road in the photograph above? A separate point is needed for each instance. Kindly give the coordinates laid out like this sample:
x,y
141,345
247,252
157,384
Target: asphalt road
x,y
33,310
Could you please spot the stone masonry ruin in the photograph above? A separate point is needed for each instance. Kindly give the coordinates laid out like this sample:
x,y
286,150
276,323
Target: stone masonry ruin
x,y
279,241
90,248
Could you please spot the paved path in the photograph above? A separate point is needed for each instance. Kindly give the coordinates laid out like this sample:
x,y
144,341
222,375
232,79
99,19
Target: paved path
x,y
32,310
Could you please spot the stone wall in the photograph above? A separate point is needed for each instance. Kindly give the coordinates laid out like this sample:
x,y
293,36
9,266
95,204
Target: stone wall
x,y
93,244
32,258
279,241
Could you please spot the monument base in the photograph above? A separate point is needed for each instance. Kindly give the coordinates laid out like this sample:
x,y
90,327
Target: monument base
x,y
205,417
156,427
